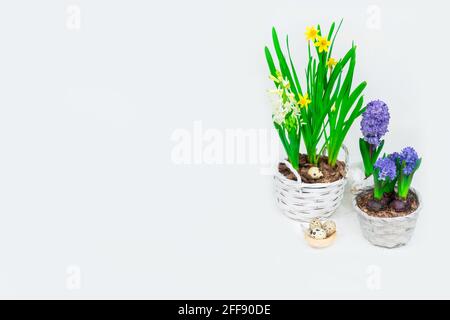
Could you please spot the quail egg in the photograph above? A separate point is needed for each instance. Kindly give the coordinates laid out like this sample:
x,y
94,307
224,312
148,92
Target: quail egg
x,y
315,223
315,173
329,227
318,234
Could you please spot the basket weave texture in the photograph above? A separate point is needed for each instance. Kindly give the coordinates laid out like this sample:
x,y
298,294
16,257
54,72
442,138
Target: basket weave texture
x,y
306,201
388,232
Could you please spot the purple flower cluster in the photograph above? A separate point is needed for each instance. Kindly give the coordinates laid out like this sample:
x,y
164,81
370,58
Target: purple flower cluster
x,y
394,156
387,169
409,157
375,121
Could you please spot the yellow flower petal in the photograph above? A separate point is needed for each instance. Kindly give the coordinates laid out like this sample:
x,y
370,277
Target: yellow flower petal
x,y
331,63
323,44
311,33
304,100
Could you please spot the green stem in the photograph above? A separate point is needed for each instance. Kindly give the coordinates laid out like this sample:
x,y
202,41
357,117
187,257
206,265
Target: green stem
x,y
293,159
312,156
378,193
371,151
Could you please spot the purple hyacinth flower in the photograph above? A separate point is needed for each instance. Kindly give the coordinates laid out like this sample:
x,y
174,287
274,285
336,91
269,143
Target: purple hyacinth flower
x,y
394,156
387,169
375,121
409,157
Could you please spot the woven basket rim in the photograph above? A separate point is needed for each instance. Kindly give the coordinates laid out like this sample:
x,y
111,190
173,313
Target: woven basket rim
x,y
306,184
412,215
322,184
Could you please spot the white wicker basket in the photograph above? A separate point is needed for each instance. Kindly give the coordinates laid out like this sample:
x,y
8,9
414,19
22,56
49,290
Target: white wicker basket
x,y
388,232
357,179
306,201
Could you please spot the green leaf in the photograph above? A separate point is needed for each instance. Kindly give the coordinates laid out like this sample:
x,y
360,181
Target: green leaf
x,y
356,93
270,63
297,82
356,112
419,162
282,61
334,38
330,33
377,152
281,134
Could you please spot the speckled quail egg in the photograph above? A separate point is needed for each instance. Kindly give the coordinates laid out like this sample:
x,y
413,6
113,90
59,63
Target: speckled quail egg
x,y
318,234
315,223
315,173
329,227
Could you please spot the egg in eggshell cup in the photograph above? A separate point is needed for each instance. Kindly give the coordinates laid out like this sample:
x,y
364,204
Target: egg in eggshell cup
x,y
319,244
321,234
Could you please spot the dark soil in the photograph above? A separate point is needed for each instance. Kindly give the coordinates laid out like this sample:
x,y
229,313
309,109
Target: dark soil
x,y
363,201
330,174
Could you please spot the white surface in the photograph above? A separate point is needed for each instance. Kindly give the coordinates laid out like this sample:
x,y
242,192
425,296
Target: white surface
x,y
88,189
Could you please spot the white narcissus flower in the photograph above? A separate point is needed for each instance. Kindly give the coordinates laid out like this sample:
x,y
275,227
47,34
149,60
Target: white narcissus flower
x,y
291,97
277,92
279,111
279,118
295,110
285,83
283,102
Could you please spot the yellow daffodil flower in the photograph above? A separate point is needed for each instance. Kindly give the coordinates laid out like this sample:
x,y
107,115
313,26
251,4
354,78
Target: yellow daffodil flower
x,y
311,33
304,100
332,62
323,44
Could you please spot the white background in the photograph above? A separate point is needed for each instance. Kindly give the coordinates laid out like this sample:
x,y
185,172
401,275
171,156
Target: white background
x,y
92,204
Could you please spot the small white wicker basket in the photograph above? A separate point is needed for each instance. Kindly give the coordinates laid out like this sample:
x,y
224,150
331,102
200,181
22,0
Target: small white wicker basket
x,y
306,201
388,232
